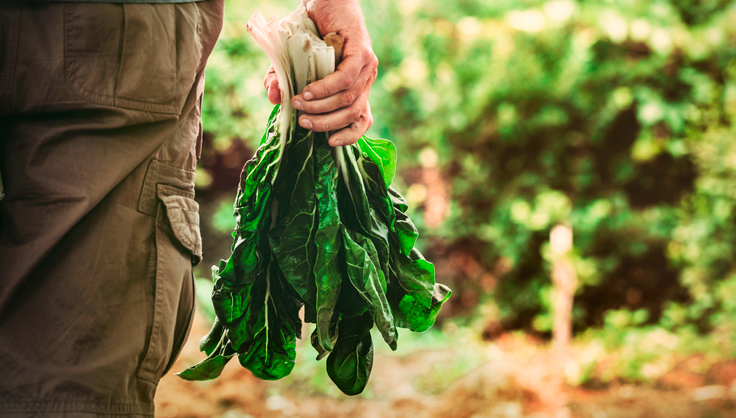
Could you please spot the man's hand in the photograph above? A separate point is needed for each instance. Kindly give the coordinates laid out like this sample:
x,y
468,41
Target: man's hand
x,y
339,102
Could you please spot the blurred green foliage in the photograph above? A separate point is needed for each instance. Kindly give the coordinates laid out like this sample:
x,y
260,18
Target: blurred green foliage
x,y
615,117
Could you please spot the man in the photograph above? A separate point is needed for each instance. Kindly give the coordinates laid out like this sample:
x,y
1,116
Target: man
x,y
99,136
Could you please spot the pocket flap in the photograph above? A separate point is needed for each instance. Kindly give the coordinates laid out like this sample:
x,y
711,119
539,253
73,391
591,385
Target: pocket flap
x,y
183,214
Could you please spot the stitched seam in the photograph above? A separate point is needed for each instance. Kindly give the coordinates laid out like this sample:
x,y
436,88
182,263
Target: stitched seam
x,y
185,335
141,373
146,370
121,46
120,408
184,239
165,108
69,55
201,38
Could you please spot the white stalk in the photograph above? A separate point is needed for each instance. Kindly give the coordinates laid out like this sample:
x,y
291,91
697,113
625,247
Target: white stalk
x,y
354,163
298,55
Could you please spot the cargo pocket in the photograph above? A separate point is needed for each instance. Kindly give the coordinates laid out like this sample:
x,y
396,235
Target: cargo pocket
x,y
178,246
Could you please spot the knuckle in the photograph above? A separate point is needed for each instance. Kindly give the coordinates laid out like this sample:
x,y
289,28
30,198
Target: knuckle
x,y
319,125
354,114
368,122
348,98
346,81
321,92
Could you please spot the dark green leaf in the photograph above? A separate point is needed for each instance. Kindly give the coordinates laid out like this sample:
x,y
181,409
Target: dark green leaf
x,y
273,318
292,236
328,241
375,189
249,261
208,369
406,232
272,125
209,342
414,273
368,197
417,315
349,302
350,363
212,366
383,153
369,281
314,340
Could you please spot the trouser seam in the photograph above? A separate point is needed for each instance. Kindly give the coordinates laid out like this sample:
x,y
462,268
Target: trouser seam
x,y
121,408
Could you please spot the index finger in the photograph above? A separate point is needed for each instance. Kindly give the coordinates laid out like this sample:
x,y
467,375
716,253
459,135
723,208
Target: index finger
x,y
340,80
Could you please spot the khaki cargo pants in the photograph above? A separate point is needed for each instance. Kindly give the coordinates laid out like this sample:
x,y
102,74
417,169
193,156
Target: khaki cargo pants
x,y
99,136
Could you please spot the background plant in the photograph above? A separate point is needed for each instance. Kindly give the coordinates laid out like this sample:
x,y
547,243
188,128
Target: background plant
x,y
615,117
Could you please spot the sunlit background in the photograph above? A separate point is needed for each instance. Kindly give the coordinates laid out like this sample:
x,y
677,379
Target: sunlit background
x,y
610,120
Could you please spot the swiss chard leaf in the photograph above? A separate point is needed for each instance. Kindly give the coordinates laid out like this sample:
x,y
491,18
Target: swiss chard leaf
x,y
314,339
292,236
328,240
211,341
232,301
329,232
369,281
350,363
418,316
406,231
250,256
415,274
398,200
208,369
273,322
318,228
353,202
375,188
364,196
212,366
414,297
350,302
272,125
254,189
383,153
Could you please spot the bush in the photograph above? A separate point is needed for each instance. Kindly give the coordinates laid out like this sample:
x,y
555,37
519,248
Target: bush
x,y
512,116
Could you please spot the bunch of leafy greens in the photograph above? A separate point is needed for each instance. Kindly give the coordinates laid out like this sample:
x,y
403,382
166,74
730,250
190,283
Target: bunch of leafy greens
x,y
320,228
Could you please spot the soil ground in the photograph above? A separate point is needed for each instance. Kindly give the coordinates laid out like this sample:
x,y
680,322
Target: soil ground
x,y
514,377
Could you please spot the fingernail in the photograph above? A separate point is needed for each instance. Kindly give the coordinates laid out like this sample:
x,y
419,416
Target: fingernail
x,y
337,143
298,105
308,96
305,123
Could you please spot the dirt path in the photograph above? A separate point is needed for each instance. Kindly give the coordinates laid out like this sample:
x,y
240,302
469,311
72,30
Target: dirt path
x,y
511,378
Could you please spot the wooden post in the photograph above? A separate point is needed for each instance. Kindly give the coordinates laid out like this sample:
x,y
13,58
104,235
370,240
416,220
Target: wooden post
x,y
564,281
